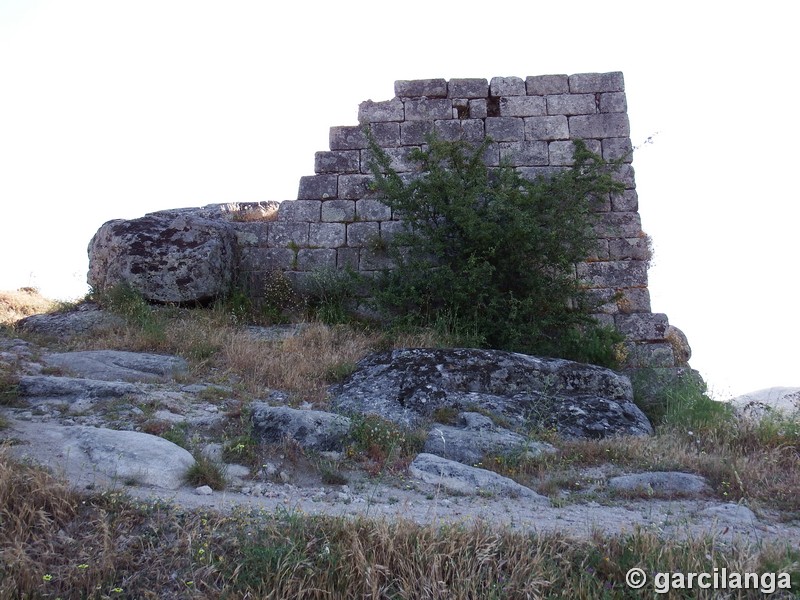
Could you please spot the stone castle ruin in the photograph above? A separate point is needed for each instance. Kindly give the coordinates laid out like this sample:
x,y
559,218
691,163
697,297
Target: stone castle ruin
x,y
187,255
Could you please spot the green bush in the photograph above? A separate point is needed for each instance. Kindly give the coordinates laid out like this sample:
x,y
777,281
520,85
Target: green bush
x,y
490,255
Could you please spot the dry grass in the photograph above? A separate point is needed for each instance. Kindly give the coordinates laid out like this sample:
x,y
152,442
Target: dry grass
x,y
56,543
16,305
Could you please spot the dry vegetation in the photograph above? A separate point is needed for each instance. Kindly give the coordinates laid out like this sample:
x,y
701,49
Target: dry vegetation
x,y
57,543
15,305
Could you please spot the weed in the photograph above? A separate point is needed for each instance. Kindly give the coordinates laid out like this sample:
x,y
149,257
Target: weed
x,y
205,471
454,270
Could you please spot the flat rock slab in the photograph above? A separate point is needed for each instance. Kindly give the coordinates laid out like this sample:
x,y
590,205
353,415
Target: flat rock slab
x,y
662,484
73,388
117,365
409,385
99,456
462,479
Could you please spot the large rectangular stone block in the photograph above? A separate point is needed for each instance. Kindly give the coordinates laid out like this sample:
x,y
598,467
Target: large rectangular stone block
x,y
309,259
625,202
522,106
604,125
619,225
473,130
337,161
649,355
448,130
338,211
613,274
468,88
636,248
626,176
618,148
562,153
571,104
389,110
362,233
347,138
284,233
251,233
477,109
389,229
642,327
590,83
505,129
430,88
374,260
347,258
266,259
355,187
546,128
299,210
372,210
400,159
534,173
386,134
317,187
507,86
415,133
524,154
541,85
613,102
625,301
327,235
425,109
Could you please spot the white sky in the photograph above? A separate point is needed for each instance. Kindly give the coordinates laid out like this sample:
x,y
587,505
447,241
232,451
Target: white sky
x,y
111,109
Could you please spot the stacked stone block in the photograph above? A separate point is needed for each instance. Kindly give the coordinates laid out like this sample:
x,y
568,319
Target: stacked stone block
x,y
338,221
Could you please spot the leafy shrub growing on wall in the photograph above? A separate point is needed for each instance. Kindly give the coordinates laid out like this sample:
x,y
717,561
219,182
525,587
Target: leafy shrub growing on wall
x,y
492,254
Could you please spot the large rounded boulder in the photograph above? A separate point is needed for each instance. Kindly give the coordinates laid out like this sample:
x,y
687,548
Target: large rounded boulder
x,y
167,257
409,386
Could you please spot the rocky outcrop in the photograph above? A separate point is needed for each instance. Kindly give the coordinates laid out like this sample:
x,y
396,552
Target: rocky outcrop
x,y
478,437
87,318
780,400
462,479
175,256
408,385
312,429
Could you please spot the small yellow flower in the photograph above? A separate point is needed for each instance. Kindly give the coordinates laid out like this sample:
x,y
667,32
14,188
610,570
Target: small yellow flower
x,y
47,577
83,566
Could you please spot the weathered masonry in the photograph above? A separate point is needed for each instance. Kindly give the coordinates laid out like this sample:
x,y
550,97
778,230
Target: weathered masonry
x,y
337,221
336,218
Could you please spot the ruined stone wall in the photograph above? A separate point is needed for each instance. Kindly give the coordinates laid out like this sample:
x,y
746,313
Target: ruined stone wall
x,y
337,221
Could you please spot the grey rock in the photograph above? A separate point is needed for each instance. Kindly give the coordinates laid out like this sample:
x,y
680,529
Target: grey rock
x,y
87,318
783,401
661,483
167,257
116,365
312,429
97,456
477,438
408,385
72,388
730,512
462,479
203,490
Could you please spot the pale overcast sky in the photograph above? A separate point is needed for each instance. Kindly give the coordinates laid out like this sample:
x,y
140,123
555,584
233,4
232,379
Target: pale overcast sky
x,y
111,109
